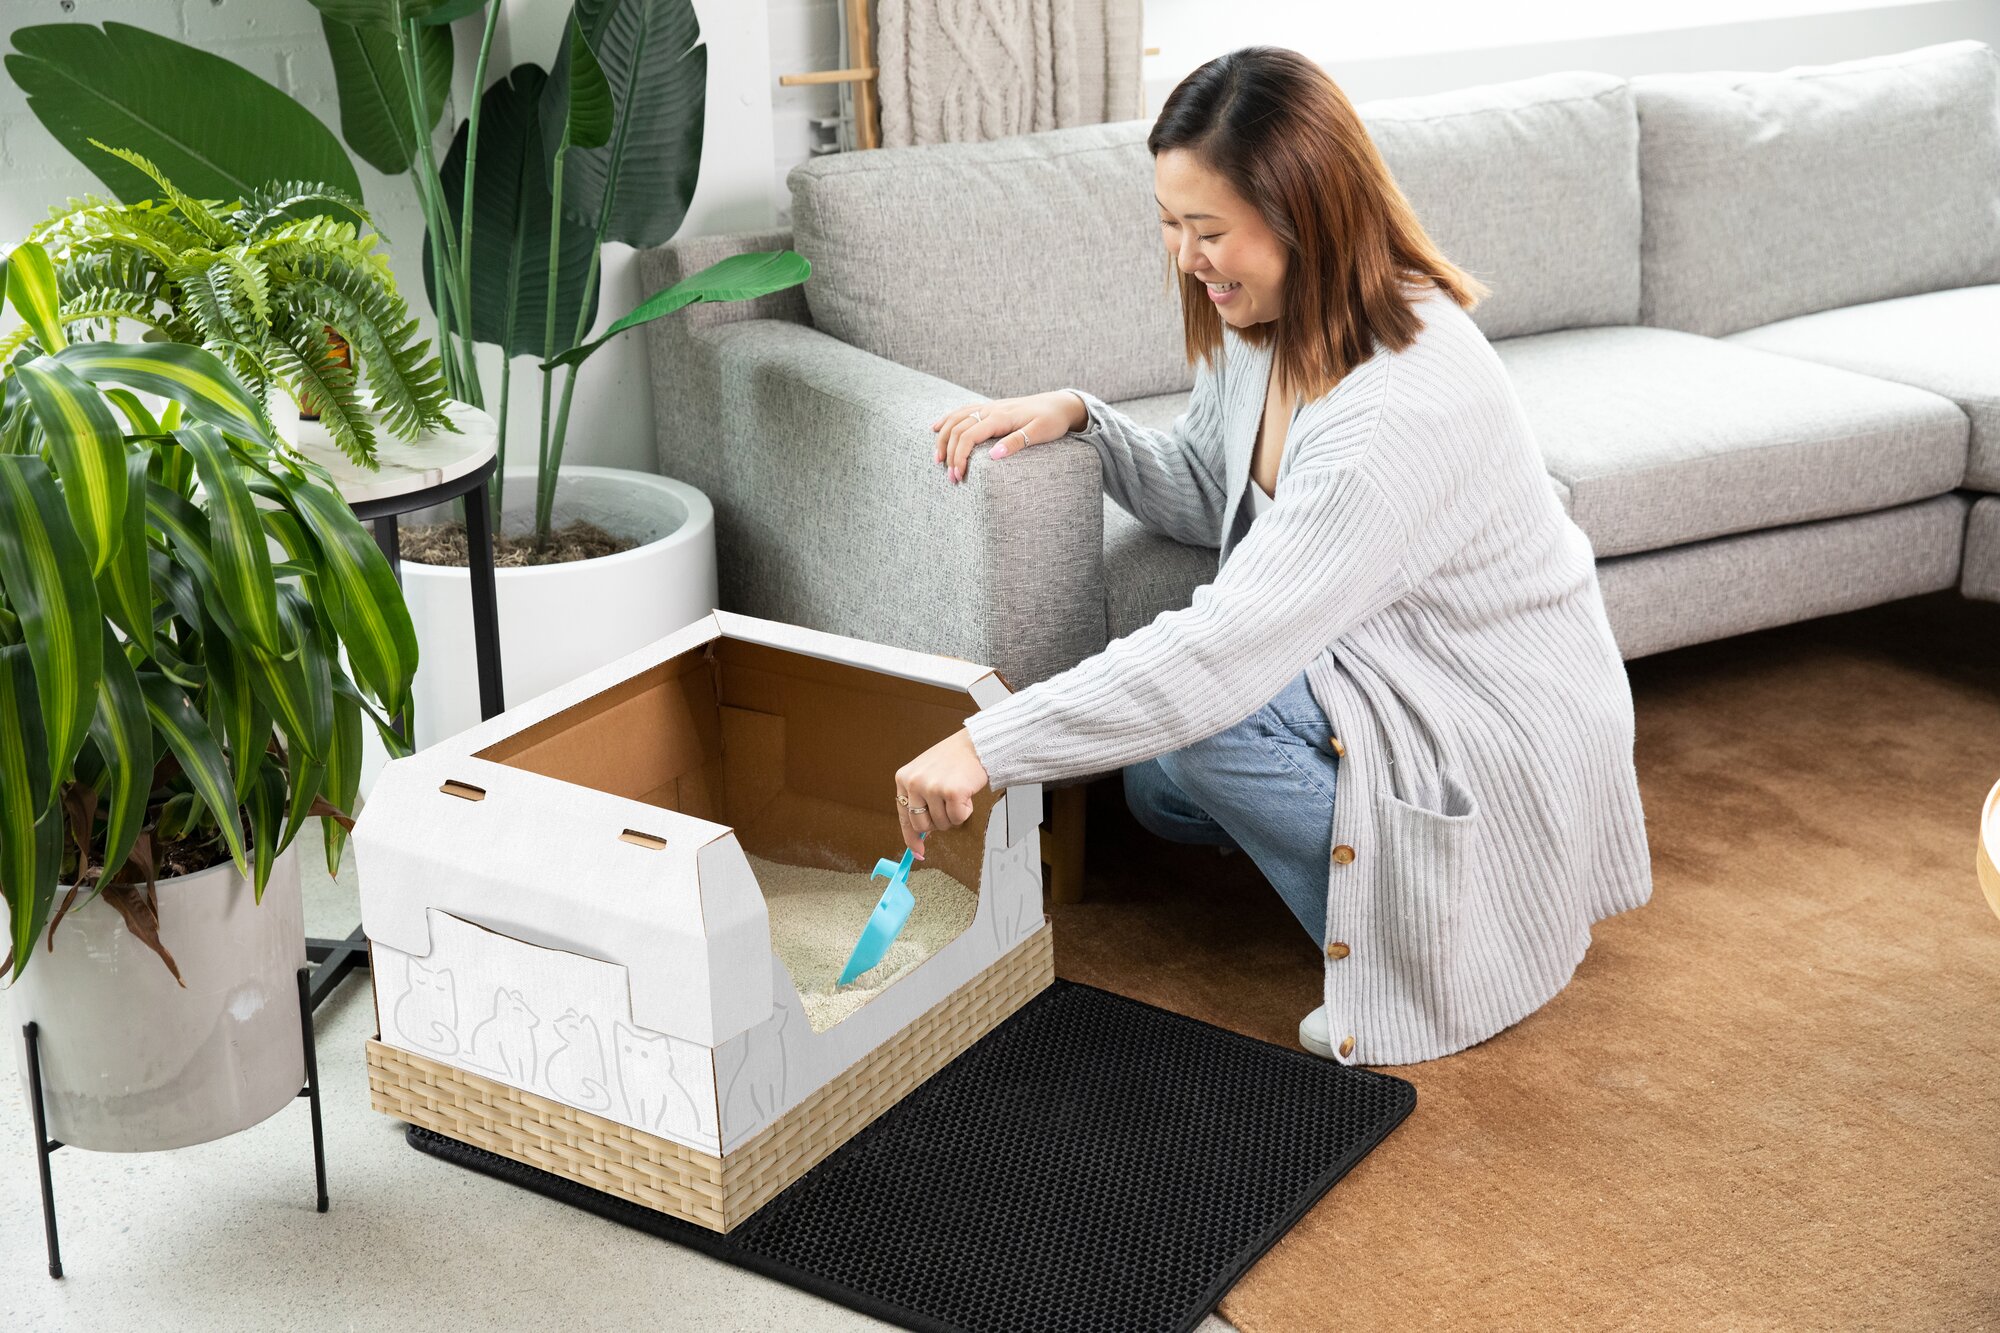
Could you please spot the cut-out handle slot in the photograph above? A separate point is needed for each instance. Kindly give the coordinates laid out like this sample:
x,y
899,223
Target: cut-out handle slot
x,y
464,791
646,840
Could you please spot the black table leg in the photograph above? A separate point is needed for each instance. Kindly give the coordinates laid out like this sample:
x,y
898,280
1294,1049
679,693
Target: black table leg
x,y
333,960
311,1090
392,548
485,599
44,1145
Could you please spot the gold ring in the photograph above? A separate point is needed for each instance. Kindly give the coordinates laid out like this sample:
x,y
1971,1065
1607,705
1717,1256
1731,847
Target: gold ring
x,y
903,801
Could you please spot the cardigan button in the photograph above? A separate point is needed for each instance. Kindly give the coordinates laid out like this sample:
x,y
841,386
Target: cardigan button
x,y
1339,750
1343,854
1346,1047
1337,950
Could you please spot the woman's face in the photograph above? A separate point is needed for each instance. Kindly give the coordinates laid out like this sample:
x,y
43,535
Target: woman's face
x,y
1215,235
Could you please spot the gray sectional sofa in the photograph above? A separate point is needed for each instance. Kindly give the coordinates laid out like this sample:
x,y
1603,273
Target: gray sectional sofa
x,y
1753,318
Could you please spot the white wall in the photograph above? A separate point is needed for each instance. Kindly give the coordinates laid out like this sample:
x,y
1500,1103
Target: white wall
x,y
1423,46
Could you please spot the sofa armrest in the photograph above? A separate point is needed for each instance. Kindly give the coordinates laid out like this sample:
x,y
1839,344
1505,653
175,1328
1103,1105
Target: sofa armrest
x,y
830,512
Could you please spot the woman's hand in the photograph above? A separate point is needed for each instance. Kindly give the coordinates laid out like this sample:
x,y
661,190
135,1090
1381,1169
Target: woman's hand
x,y
938,786
1015,422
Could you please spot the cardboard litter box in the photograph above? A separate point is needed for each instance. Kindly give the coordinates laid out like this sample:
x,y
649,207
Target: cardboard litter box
x,y
571,956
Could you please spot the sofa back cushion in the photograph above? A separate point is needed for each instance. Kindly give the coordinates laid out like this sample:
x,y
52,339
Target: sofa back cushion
x,y
1009,267
1774,195
1532,187
1029,263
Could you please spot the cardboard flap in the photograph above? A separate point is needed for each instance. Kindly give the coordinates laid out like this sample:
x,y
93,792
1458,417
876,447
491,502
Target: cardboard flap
x,y
552,865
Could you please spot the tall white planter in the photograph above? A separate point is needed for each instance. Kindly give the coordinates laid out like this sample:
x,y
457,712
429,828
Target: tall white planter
x,y
559,621
131,1061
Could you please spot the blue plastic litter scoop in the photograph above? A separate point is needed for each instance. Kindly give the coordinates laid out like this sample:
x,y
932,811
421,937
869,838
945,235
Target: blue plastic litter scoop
x,y
886,922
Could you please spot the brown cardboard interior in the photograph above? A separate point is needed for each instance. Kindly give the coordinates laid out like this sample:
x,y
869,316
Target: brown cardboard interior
x,y
797,754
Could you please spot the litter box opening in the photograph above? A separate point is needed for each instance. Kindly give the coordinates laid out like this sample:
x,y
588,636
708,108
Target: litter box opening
x,y
796,754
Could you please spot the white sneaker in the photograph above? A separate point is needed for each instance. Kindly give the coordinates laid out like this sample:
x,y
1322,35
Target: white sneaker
x,y
1313,1034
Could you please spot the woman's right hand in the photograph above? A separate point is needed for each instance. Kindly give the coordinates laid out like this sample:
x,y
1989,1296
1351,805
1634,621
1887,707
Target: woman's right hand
x,y
1015,423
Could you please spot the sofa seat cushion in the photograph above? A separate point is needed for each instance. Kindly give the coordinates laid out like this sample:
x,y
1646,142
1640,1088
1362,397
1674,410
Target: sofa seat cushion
x,y
1665,437
1947,342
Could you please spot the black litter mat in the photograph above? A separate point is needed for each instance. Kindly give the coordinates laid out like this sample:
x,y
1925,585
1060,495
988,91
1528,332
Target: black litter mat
x,y
1092,1163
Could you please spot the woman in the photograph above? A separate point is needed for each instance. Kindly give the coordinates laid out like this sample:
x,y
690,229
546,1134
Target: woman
x,y
1400,694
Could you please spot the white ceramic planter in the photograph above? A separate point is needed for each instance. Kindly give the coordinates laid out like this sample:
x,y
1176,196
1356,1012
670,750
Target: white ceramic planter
x,y
559,621
132,1062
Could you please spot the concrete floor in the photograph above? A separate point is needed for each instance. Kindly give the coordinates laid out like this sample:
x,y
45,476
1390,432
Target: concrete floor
x,y
223,1236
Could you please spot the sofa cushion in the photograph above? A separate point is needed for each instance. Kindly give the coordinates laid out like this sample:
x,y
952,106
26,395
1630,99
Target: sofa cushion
x,y
1774,195
1532,187
1947,342
1145,573
1665,437
1008,267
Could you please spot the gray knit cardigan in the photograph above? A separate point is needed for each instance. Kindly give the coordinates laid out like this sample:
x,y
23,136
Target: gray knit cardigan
x,y
1417,566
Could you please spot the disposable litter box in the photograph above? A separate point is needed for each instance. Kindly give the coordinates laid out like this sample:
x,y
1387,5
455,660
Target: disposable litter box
x,y
573,961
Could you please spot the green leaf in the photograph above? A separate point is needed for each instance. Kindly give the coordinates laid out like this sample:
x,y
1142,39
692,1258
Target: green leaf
x,y
88,451
375,97
234,708
303,777
194,745
510,222
123,733
125,587
30,829
450,11
383,15
298,689
216,129
193,566
142,421
361,594
236,539
266,804
589,116
738,278
190,376
652,56
32,288
342,780
47,584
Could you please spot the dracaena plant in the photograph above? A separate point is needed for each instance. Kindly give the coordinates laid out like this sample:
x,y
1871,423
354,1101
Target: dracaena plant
x,y
261,288
172,691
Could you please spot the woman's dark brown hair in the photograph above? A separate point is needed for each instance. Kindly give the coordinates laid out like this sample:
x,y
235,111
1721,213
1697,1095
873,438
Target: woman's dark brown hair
x,y
1287,139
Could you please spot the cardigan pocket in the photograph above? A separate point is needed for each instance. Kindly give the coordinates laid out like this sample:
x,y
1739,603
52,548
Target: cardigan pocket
x,y
1426,853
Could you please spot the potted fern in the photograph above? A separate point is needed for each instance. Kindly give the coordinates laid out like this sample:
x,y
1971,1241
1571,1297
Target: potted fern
x,y
287,302
175,702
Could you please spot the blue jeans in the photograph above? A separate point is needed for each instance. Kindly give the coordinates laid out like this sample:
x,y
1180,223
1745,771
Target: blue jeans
x,y
1264,786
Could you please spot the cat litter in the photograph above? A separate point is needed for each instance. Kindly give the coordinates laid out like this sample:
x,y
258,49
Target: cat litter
x,y
815,915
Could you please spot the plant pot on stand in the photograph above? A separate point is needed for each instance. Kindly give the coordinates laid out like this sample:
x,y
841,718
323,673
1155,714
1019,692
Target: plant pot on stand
x,y
116,1055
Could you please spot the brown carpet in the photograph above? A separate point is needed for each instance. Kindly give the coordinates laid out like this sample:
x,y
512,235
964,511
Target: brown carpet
x,y
1766,1100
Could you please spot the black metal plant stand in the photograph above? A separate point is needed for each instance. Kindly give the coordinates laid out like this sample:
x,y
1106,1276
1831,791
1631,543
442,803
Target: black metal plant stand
x,y
336,958
45,1146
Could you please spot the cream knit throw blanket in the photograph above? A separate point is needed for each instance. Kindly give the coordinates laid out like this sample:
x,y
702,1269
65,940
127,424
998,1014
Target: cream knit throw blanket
x,y
954,70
